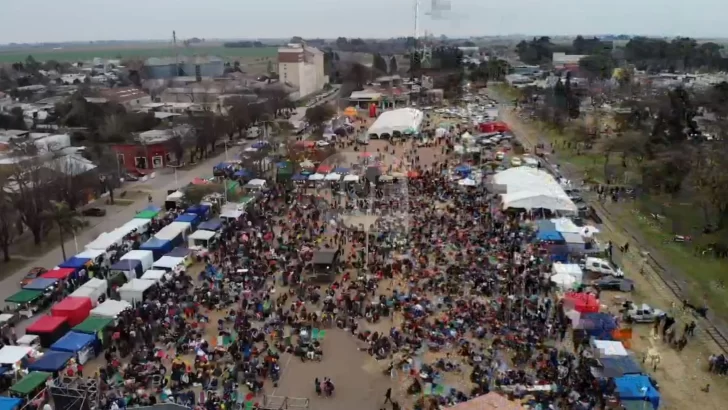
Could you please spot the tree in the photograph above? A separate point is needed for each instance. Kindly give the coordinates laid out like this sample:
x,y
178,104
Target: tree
x,y
28,184
379,64
393,68
8,218
318,115
597,66
194,194
296,40
66,220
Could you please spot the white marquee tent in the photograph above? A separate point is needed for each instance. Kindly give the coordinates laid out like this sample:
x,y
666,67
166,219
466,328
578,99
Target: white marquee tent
x,y
401,120
530,188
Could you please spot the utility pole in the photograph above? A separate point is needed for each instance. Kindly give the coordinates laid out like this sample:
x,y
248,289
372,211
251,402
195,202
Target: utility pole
x,y
176,53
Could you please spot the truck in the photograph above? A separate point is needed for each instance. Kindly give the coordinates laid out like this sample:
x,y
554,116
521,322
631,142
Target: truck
x,y
643,313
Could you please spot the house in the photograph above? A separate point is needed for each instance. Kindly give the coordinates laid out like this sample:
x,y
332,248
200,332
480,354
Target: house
x,y
560,60
131,98
5,100
151,151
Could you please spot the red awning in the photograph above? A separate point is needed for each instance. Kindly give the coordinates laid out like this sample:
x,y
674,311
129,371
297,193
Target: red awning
x,y
46,324
582,302
59,273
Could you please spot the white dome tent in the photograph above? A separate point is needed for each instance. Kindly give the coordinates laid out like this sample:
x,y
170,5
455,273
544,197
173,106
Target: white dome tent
x,y
403,120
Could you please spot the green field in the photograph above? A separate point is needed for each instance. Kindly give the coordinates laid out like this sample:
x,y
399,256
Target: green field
x,y
132,51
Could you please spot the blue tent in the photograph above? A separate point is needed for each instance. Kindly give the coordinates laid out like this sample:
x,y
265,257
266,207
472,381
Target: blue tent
x,y
464,168
133,266
10,403
3,370
637,387
598,325
221,166
179,252
260,144
545,225
158,247
549,236
618,366
192,219
40,284
153,208
282,164
199,209
214,224
73,342
51,362
342,170
74,263
299,177
243,173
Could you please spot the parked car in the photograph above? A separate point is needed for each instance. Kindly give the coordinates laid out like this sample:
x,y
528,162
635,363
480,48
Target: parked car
x,y
322,143
602,267
34,273
93,212
612,283
642,314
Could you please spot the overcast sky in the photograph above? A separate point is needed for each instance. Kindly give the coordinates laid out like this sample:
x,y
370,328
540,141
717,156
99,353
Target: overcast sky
x,y
49,20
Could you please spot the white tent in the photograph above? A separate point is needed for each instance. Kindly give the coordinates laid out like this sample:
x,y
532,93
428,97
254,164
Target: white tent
x,y
133,291
155,275
564,281
94,254
231,213
401,120
111,308
105,241
565,225
351,178
93,289
141,225
333,177
570,269
200,238
609,348
11,355
145,257
466,182
170,232
168,263
316,177
536,200
175,196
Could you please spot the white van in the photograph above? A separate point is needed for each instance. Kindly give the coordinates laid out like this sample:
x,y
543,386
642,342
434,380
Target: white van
x,y
602,267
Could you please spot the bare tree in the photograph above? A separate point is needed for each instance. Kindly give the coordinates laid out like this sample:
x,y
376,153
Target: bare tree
x,y
27,182
8,218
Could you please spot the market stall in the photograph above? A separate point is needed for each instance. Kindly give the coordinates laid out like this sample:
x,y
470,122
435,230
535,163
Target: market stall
x,y
52,362
154,275
184,253
581,302
12,355
41,284
637,388
95,325
10,403
214,225
201,240
59,273
48,329
192,219
569,269
27,302
134,291
130,268
98,256
74,309
200,210
159,247
169,264
172,233
139,225
80,265
110,309
83,345
93,289
144,256
147,214
30,385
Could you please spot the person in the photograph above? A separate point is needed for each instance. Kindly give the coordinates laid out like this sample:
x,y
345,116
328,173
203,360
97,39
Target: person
x,y
388,396
317,384
395,405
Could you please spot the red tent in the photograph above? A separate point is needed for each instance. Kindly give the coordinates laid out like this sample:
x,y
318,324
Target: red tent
x,y
60,273
48,329
582,302
75,309
496,126
324,169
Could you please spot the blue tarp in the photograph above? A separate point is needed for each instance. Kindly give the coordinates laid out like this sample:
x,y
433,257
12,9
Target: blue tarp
x,y
221,166
545,225
553,236
599,325
299,177
243,173
10,403
462,168
4,369
51,362
637,388
74,263
618,366
211,225
342,170
192,219
158,247
152,208
40,284
73,342
260,144
199,209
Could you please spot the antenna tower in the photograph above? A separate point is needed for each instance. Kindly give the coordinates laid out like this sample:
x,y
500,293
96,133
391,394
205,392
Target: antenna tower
x,y
176,53
422,46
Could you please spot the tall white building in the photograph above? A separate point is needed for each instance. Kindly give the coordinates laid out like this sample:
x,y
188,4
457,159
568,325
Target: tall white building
x,y
302,67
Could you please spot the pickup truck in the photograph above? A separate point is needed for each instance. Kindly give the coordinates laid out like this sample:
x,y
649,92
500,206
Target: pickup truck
x,y
642,313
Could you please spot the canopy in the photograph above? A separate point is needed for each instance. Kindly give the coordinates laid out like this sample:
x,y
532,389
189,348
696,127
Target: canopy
x,y
74,309
146,257
537,200
13,354
316,177
133,292
111,309
168,262
93,324
179,252
91,254
637,388
333,176
299,177
174,197
155,244
609,348
243,173
75,262
73,342
51,362
10,403
571,269
40,284
211,225
351,178
30,383
490,401
135,224
324,169
126,265
199,209
564,281
599,325
154,275
256,183
618,366
58,273
170,232
105,241
519,179
189,218
46,324
24,296
582,302
342,170
148,214
550,236
231,213
403,120
565,225
202,235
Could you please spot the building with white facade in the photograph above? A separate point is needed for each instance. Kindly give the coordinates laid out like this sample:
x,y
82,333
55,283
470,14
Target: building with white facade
x,y
562,59
302,67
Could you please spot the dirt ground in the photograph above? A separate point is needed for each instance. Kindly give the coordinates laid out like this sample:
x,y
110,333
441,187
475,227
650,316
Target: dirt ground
x,y
681,375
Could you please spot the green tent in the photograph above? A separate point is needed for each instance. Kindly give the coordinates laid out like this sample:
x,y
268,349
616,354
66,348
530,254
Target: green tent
x,y
93,325
147,214
24,296
247,200
30,383
231,186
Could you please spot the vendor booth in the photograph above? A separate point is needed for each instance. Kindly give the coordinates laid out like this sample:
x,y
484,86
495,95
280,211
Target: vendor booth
x,y
214,225
192,219
159,247
93,289
80,344
12,355
607,348
155,275
180,252
49,329
144,256
581,302
52,362
27,302
231,213
201,240
41,284
138,225
570,269
201,210
80,265
130,268
135,291
637,388
173,200
59,273
10,403
95,325
597,325
110,309
173,234
29,386
169,264
75,310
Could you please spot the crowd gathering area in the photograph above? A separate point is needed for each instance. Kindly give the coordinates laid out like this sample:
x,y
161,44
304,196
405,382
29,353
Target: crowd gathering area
x,y
450,282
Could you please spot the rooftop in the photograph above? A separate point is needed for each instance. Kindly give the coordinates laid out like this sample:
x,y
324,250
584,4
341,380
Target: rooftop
x,y
122,94
155,61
